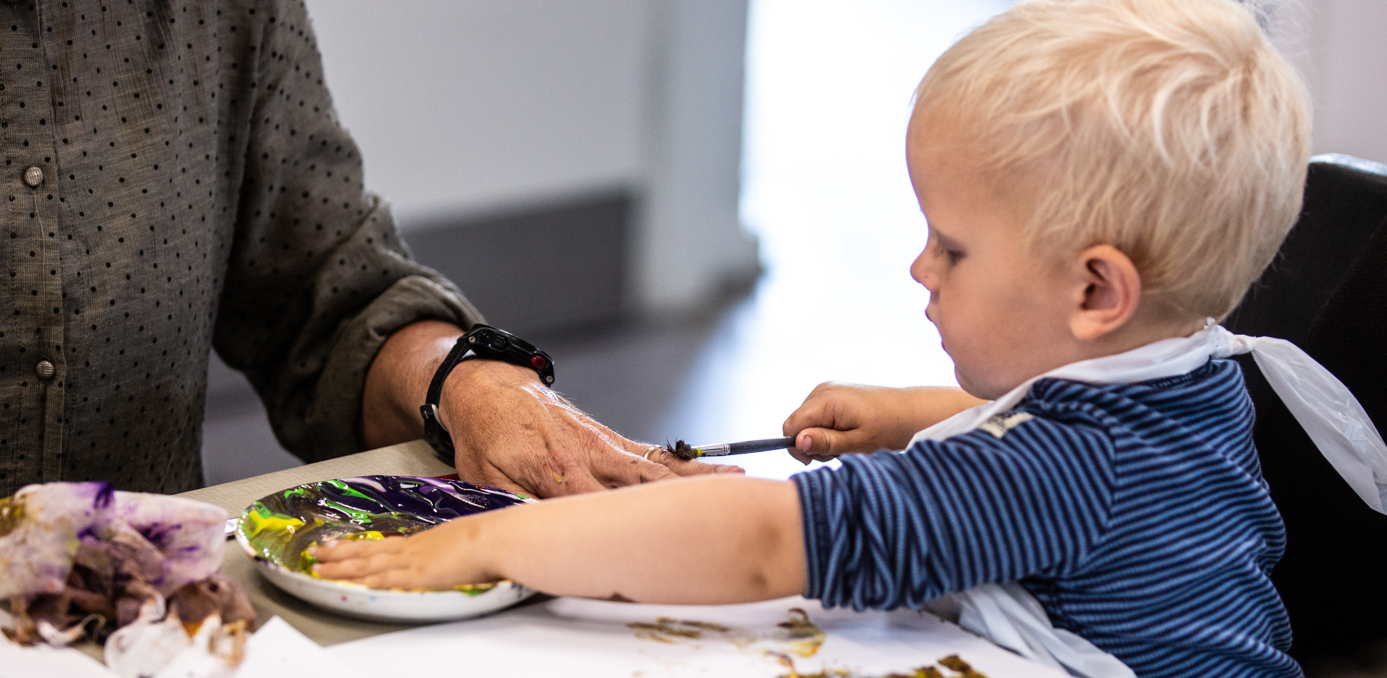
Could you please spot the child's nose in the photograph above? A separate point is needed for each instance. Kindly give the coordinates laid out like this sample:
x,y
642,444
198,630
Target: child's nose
x,y
921,271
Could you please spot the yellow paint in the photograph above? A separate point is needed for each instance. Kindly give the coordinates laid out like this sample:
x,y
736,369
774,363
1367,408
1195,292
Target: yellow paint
x,y
259,523
11,514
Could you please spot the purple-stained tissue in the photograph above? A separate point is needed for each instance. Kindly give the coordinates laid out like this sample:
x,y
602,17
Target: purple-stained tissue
x,y
79,559
40,529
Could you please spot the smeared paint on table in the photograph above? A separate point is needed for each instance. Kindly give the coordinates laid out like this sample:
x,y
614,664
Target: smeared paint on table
x,y
797,636
579,638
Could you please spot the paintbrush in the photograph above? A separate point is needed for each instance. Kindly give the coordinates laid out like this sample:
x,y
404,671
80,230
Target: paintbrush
x,y
686,451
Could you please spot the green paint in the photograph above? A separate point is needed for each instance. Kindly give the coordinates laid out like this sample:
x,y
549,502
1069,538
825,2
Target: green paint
x,y
348,490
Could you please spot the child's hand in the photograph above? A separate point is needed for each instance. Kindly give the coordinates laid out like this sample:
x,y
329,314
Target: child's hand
x,y
841,418
439,558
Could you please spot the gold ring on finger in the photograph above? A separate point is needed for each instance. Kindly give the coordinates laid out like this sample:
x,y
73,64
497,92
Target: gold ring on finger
x,y
653,449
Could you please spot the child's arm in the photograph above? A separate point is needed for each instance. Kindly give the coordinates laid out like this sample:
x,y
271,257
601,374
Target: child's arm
x,y
694,541
841,418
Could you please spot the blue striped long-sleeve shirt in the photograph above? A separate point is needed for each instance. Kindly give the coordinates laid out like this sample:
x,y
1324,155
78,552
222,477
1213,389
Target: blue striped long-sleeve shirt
x,y
1136,514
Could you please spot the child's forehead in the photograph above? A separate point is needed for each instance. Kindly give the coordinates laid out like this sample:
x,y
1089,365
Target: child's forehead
x,y
939,145
933,127
943,158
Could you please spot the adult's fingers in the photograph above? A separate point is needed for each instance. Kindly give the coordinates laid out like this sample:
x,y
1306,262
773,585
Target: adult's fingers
x,y
688,467
695,467
619,468
678,467
574,479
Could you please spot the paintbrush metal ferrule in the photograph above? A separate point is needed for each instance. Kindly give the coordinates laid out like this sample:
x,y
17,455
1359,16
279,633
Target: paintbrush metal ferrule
x,y
717,450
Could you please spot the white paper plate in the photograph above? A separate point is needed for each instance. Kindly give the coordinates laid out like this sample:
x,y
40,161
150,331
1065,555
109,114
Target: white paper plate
x,y
393,605
332,508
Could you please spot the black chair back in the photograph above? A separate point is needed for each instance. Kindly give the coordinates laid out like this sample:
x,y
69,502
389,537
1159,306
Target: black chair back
x,y
1327,292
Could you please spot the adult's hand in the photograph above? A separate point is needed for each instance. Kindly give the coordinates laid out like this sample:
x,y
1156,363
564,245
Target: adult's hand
x,y
508,429
512,432
840,418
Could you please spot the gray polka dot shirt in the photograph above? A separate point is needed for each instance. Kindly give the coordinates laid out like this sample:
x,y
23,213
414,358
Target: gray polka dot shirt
x,y
175,179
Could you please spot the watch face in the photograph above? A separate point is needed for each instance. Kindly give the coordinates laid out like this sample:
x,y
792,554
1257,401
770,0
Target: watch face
x,y
490,343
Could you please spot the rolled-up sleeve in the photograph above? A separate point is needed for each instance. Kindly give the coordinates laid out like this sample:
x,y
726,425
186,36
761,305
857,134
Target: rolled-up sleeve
x,y
889,529
318,277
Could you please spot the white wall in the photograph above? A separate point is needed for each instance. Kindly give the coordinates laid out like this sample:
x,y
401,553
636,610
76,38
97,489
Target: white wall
x,y
473,106
1339,47
465,105
694,243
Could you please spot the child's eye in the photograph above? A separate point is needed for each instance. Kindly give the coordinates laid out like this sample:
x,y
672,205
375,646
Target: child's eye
x,y
953,256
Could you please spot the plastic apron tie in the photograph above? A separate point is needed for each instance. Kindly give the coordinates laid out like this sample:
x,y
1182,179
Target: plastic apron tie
x,y
1008,615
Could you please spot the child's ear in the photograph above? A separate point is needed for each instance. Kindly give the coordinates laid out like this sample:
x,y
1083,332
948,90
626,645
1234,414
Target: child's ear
x,y
1111,292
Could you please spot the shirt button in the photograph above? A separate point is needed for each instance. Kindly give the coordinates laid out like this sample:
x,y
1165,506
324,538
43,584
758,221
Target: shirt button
x,y
45,370
33,176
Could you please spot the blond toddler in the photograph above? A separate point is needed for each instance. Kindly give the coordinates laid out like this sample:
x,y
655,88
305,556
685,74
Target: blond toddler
x,y
1099,178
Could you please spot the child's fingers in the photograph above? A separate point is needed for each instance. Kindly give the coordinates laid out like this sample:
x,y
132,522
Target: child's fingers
x,y
822,444
341,550
830,405
391,579
359,567
808,415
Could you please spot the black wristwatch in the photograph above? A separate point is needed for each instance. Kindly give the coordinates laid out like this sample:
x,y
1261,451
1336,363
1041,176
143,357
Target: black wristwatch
x,y
487,343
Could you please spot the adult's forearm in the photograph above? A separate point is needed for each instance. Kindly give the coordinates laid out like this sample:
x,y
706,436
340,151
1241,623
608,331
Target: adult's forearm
x,y
697,541
398,380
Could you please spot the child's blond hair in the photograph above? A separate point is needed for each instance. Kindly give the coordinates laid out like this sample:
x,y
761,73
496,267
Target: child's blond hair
x,y
1170,129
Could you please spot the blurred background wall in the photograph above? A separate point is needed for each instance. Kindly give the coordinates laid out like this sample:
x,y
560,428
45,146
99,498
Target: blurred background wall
x,y
610,128
1338,45
591,173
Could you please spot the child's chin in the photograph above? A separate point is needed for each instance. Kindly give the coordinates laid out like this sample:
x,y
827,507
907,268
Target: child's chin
x,y
978,388
968,385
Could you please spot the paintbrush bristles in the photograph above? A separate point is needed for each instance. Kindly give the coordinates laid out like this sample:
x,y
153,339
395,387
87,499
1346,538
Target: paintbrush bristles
x,y
682,450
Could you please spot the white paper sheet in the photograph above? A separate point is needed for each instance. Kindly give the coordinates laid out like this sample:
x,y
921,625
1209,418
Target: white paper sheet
x,y
576,638
44,661
278,650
